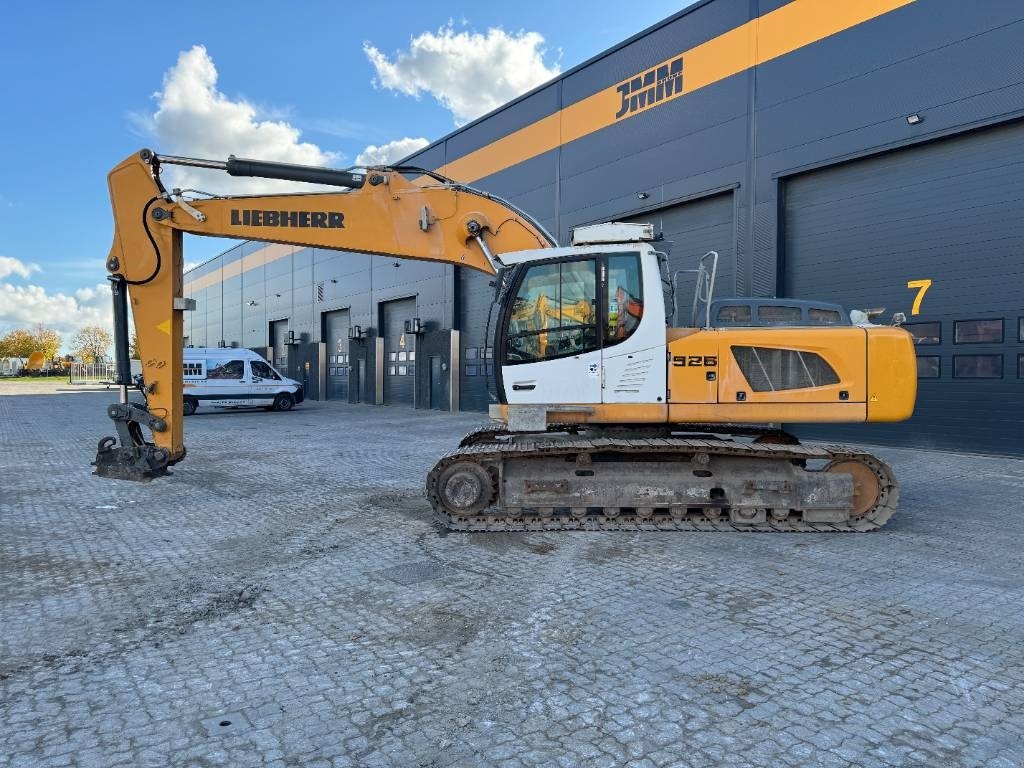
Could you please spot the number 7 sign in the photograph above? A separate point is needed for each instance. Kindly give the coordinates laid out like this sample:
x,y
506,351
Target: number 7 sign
x,y
922,288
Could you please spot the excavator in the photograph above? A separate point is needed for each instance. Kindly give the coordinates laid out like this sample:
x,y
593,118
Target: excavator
x,y
606,417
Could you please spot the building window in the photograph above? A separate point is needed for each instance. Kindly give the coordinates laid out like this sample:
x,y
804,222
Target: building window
x,y
471,353
1020,329
471,370
1020,366
977,366
928,367
403,370
978,331
391,370
924,333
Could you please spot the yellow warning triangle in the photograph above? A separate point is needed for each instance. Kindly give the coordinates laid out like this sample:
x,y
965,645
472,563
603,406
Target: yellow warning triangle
x,y
165,326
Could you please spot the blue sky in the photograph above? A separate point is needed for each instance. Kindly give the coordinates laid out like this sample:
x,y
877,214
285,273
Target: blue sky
x,y
82,80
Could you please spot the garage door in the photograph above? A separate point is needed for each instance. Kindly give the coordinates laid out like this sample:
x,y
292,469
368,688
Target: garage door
x,y
693,229
872,233
335,327
399,351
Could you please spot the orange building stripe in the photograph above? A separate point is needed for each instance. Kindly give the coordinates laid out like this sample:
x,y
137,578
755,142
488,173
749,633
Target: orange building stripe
x,y
782,31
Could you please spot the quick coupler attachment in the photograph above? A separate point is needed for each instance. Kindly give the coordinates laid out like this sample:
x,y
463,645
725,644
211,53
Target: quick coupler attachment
x,y
135,458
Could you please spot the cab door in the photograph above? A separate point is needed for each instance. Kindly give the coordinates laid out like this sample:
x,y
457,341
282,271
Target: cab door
x,y
633,343
264,384
552,348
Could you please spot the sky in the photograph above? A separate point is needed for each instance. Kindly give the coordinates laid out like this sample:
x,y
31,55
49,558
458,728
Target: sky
x,y
324,83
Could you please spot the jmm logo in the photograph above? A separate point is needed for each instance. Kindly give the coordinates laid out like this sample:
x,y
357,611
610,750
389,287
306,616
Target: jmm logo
x,y
248,217
651,87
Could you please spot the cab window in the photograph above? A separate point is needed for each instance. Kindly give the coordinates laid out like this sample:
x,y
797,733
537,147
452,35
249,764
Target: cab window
x,y
230,369
625,298
263,371
554,313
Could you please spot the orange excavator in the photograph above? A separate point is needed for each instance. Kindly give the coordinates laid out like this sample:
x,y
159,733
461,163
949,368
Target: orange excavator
x,y
606,418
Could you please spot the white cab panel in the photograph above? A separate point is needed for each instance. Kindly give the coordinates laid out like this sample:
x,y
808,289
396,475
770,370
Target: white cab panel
x,y
635,369
575,379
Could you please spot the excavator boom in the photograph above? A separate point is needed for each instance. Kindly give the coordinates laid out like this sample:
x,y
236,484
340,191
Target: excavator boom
x,y
380,211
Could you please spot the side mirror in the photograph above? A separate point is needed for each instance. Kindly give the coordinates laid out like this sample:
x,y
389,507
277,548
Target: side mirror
x,y
898,319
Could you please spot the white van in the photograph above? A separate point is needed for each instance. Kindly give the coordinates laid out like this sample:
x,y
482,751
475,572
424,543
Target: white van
x,y
235,378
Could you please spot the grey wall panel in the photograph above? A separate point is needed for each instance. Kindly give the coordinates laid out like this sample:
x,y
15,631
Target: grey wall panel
x,y
903,35
951,211
894,91
648,169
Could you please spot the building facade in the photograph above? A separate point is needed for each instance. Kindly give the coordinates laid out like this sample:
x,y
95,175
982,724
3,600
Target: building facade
x,y
868,152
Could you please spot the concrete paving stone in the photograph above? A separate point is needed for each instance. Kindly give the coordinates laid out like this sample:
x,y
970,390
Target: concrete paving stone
x,y
255,580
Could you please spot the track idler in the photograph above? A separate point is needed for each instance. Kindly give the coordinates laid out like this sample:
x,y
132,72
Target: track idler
x,y
135,458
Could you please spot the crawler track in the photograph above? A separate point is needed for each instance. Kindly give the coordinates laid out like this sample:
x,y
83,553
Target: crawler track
x,y
488,454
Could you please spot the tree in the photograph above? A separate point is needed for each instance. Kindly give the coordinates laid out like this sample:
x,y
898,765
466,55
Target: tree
x,y
17,343
46,340
91,343
22,342
133,346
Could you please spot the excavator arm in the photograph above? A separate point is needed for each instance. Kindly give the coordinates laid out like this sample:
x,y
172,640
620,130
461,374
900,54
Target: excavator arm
x,y
381,212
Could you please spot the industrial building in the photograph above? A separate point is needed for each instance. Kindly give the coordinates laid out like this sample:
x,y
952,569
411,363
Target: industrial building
x,y
868,152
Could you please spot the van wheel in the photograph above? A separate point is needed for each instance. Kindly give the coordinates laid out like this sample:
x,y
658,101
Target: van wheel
x,y
283,402
190,406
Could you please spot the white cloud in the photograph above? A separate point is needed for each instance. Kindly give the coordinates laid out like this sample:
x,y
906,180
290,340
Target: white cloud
x,y
468,72
193,118
385,154
25,305
12,266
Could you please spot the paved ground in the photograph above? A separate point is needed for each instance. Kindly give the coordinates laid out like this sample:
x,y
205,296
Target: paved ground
x,y
284,600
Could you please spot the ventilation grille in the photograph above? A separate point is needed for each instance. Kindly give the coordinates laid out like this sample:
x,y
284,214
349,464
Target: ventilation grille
x,y
771,370
634,376
320,291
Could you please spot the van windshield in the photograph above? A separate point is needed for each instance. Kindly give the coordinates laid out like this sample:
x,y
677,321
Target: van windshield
x,y
263,371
